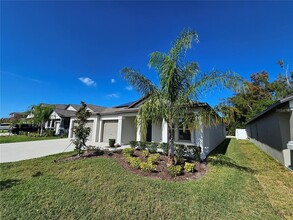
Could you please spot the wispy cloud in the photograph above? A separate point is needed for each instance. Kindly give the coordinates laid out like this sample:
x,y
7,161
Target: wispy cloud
x,y
113,95
21,76
129,88
113,80
87,81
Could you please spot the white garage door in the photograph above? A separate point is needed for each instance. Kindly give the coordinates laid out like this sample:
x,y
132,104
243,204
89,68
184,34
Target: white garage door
x,y
90,124
110,130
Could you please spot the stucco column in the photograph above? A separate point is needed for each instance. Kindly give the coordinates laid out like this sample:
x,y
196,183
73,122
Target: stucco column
x,y
192,138
119,130
94,131
164,131
70,132
138,134
47,124
100,130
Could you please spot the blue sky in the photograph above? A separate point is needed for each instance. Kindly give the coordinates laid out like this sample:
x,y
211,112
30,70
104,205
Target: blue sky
x,y
64,52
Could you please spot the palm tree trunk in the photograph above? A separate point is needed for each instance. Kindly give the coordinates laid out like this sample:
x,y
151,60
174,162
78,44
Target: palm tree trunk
x,y
171,138
41,133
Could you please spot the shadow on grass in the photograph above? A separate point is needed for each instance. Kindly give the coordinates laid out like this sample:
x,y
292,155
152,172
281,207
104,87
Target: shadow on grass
x,y
222,148
5,184
218,158
37,174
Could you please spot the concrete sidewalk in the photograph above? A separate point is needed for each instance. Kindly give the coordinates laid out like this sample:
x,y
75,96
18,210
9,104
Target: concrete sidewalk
x,y
12,152
33,149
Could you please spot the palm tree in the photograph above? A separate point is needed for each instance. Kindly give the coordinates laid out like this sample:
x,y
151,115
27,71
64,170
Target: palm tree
x,y
180,84
42,114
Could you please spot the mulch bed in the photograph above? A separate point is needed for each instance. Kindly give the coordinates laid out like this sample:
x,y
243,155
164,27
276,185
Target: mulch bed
x,y
161,173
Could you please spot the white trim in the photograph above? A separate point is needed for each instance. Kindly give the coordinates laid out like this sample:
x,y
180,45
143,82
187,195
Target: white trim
x,y
119,130
164,131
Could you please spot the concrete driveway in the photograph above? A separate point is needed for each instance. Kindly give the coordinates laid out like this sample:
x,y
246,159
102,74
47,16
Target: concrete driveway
x,y
33,149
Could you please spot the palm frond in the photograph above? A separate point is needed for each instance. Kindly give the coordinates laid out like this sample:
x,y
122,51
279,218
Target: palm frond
x,y
156,60
205,82
139,82
183,43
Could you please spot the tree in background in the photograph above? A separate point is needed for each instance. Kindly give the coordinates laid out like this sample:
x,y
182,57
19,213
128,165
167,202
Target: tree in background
x,y
256,96
41,115
180,84
80,131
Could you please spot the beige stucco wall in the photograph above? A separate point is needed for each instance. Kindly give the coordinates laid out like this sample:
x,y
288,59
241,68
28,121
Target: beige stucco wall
x,y
128,130
271,132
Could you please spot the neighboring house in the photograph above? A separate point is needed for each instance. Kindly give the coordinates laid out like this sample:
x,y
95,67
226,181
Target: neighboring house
x,y
119,123
272,131
60,117
15,116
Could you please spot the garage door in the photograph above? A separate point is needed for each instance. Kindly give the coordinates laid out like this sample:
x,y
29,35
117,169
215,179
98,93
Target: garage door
x,y
89,124
110,130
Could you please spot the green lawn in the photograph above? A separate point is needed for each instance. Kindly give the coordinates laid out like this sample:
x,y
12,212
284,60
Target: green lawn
x,y
243,183
23,138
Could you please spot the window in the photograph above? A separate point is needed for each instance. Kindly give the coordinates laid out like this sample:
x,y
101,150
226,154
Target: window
x,y
184,135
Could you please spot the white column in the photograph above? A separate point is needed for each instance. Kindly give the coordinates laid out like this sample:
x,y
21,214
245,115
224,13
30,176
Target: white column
x,y
70,132
119,131
138,133
47,124
192,136
51,123
94,131
164,131
100,130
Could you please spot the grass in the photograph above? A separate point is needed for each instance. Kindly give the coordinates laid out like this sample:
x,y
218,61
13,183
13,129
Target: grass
x,y
242,183
23,138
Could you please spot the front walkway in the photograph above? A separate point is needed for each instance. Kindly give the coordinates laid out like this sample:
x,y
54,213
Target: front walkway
x,y
12,152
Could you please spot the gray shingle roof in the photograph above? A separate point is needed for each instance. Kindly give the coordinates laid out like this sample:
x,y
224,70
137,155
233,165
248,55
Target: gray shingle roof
x,y
65,113
96,108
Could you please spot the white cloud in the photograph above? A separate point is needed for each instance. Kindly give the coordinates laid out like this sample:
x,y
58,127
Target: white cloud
x,y
113,80
113,95
129,88
87,81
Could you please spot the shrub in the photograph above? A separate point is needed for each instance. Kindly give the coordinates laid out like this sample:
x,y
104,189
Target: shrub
x,y
152,147
148,167
179,160
128,152
174,170
180,150
112,142
133,144
49,133
34,135
90,148
164,147
142,145
135,162
154,158
128,158
194,152
189,167
145,153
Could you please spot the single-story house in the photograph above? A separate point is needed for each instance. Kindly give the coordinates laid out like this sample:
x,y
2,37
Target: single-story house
x,y
119,123
14,116
272,131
